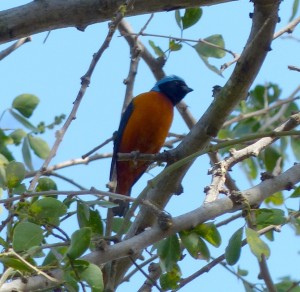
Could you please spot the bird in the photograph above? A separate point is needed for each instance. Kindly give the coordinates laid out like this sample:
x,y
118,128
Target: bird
x,y
144,127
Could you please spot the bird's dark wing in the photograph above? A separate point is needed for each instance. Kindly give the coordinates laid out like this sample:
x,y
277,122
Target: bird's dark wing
x,y
124,120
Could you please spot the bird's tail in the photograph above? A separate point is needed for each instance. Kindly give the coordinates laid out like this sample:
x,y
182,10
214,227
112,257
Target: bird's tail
x,y
121,209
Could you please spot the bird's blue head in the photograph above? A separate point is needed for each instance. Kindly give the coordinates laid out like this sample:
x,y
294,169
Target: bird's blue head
x,y
173,87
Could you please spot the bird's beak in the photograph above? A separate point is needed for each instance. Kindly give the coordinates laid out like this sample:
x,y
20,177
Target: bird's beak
x,y
188,89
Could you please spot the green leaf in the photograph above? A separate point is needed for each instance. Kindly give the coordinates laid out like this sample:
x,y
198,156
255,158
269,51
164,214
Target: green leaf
x,y
252,168
194,244
174,46
295,223
294,10
169,252
26,235
17,136
257,246
52,257
260,92
4,151
25,104
4,243
157,50
89,218
273,92
247,126
191,242
48,210
14,263
3,182
117,223
23,121
295,144
296,193
70,281
234,247
3,160
210,66
288,284
45,184
39,146
26,153
210,233
36,252
83,213
15,173
4,140
93,276
20,189
271,156
104,203
205,50
178,18
242,272
203,250
248,287
170,279
191,17
266,217
270,235
80,241
276,199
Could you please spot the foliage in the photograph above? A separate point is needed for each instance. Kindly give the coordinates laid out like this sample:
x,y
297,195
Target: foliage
x,y
38,216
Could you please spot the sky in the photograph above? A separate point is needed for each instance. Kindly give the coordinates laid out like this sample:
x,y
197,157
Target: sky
x,y
52,71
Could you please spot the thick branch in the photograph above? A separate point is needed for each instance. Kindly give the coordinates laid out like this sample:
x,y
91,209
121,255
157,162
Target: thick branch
x,y
264,21
208,211
264,18
39,16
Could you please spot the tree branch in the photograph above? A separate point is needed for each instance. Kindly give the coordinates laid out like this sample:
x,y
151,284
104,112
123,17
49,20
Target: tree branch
x,y
40,16
264,19
220,170
14,46
187,221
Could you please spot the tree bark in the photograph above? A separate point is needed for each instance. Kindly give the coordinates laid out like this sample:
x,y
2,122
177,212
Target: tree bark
x,y
45,15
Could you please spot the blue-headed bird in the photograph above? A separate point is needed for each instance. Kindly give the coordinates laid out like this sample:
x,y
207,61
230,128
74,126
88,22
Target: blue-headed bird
x,y
144,128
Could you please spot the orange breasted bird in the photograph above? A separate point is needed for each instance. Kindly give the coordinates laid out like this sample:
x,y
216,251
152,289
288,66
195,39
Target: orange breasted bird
x,y
144,128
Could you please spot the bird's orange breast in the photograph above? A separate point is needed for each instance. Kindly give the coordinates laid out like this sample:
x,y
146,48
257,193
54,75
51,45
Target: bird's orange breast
x,y
149,123
146,132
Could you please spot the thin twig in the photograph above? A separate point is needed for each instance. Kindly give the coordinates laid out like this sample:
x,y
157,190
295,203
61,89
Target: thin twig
x,y
68,163
85,81
265,274
294,68
287,29
14,46
5,222
144,263
72,182
163,157
92,191
39,272
223,264
279,103
180,39
84,156
5,276
145,275
228,220
155,271
219,170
